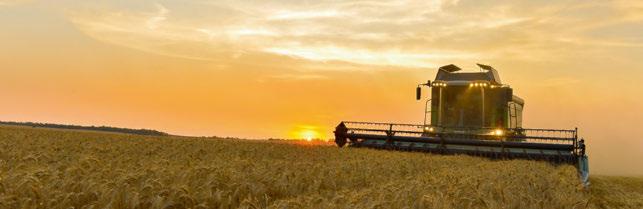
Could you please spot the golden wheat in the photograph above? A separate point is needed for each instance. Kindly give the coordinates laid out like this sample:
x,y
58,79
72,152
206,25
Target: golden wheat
x,y
41,168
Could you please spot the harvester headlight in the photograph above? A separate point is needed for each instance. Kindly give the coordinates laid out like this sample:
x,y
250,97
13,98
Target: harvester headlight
x,y
498,132
429,129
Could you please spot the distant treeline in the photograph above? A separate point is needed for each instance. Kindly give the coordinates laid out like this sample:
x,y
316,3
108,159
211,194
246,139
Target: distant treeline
x,y
147,132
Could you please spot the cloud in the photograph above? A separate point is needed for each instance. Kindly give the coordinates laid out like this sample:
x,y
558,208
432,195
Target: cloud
x,y
290,15
149,31
154,21
13,2
367,57
300,77
373,33
559,81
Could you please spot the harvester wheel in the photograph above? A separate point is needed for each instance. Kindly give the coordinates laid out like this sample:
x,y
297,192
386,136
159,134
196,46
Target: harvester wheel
x,y
340,142
340,134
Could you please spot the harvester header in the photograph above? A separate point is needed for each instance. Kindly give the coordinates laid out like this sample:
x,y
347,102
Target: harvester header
x,y
471,113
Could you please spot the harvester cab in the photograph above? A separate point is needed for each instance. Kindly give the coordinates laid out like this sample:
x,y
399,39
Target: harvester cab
x,y
471,102
470,113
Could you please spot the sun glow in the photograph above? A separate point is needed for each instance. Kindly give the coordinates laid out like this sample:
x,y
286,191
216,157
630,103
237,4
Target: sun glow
x,y
309,135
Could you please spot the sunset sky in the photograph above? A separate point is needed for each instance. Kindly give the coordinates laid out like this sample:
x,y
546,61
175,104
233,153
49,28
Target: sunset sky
x,y
292,69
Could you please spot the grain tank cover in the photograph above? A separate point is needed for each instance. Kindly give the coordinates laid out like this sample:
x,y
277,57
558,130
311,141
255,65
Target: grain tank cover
x,y
450,73
450,68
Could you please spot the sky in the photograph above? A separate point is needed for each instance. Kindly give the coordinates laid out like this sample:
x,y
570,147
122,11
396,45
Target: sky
x,y
295,69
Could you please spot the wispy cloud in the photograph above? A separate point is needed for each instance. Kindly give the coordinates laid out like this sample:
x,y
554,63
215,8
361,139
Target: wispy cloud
x,y
154,21
367,57
391,33
559,81
294,15
13,2
300,77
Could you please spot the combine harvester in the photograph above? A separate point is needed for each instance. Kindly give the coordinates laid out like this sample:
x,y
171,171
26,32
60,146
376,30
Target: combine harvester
x,y
470,113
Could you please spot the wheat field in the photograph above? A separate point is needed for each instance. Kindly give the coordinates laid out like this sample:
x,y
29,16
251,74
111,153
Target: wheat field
x,y
44,168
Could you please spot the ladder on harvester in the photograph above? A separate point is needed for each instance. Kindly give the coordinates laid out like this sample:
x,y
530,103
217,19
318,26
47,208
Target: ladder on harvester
x,y
513,116
427,111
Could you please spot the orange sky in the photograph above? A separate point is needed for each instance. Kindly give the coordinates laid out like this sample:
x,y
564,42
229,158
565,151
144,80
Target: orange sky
x,y
260,69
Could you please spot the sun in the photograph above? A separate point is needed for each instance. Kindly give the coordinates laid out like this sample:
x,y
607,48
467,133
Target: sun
x,y
309,135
